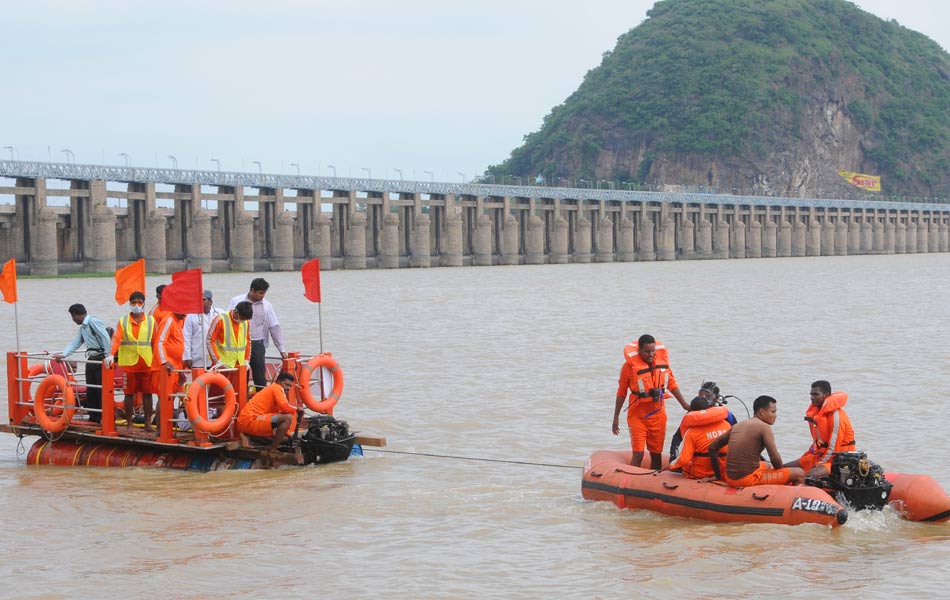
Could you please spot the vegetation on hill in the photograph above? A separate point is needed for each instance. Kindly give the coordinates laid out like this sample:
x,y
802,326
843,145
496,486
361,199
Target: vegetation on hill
x,y
734,93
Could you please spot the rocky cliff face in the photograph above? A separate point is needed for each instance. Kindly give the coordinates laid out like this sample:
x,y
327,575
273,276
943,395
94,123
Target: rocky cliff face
x,y
804,167
770,98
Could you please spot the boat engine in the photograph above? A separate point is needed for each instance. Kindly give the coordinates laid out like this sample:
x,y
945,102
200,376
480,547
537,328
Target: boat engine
x,y
326,440
856,480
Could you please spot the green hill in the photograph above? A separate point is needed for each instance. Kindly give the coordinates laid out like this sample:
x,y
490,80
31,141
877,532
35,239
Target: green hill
x,y
762,96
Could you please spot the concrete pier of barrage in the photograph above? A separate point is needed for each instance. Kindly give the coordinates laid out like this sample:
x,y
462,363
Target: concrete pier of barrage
x,y
231,221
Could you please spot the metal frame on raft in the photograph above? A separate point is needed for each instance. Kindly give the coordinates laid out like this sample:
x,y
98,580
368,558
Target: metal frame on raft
x,y
171,445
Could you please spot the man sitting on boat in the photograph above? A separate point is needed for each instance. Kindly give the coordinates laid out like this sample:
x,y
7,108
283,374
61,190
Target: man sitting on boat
x,y
268,413
830,429
700,427
746,442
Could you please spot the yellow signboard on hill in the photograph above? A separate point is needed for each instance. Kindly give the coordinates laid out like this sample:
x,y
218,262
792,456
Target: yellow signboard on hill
x,y
871,183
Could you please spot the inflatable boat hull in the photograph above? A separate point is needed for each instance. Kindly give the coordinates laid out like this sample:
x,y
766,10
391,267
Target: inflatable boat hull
x,y
919,497
609,476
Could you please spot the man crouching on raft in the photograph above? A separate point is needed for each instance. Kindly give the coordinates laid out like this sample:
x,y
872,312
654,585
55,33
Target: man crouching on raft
x,y
747,440
268,413
647,375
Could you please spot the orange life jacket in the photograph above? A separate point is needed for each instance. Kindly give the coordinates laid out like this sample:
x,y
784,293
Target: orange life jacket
x,y
830,427
698,418
649,383
699,429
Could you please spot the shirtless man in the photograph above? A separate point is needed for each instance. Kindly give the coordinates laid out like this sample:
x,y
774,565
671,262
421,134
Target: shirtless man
x,y
746,442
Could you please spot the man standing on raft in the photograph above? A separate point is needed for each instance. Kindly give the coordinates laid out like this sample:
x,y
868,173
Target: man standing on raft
x,y
135,349
747,439
647,375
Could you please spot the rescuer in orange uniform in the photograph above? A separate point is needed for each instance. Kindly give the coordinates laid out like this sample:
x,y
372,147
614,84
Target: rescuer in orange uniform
x,y
268,413
830,428
647,376
702,425
171,348
157,312
134,348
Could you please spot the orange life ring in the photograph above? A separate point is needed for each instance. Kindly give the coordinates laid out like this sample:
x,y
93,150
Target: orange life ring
x,y
306,370
195,393
39,404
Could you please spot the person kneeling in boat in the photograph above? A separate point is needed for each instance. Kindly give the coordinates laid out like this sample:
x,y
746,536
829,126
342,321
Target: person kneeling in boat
x,y
268,413
746,442
830,429
700,427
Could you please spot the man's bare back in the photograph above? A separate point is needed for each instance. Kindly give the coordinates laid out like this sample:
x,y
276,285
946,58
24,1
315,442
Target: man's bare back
x,y
746,441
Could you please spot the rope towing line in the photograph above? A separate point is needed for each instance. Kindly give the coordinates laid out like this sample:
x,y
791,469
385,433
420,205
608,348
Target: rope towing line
x,y
476,458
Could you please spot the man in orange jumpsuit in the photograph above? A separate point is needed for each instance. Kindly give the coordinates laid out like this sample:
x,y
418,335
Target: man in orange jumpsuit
x,y
134,348
647,376
157,311
702,425
268,413
830,428
171,348
747,439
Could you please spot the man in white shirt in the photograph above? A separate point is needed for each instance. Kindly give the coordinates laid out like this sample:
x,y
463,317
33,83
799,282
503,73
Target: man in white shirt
x,y
195,331
262,325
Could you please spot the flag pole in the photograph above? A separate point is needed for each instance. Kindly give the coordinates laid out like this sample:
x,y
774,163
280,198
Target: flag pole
x,y
320,324
16,325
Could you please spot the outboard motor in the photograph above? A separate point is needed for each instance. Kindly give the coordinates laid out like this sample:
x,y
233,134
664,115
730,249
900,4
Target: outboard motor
x,y
326,440
856,480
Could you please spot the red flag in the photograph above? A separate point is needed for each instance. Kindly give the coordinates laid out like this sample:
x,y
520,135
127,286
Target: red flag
x,y
184,294
310,271
8,281
129,279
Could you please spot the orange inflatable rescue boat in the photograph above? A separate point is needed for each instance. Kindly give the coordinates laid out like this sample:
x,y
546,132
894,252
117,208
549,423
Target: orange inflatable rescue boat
x,y
609,476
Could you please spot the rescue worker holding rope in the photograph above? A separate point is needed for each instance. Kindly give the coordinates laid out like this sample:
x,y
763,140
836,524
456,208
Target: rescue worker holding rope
x,y
647,376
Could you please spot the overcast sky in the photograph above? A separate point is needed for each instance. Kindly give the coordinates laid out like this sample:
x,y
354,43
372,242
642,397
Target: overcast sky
x,y
368,86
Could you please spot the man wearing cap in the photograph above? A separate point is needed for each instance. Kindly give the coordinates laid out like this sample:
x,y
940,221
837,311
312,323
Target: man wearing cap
x,y
195,332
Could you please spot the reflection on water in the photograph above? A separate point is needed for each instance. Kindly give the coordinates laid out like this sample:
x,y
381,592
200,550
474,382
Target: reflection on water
x,y
520,364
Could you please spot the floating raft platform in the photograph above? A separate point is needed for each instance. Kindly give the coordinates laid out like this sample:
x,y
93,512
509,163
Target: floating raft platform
x,y
80,445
